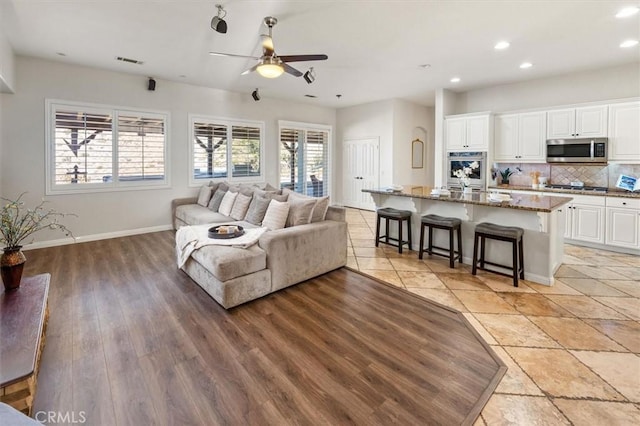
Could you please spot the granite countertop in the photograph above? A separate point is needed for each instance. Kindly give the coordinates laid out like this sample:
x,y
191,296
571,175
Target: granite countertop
x,y
610,193
518,201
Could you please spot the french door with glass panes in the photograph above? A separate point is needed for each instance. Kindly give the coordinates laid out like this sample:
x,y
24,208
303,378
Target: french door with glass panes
x,y
304,158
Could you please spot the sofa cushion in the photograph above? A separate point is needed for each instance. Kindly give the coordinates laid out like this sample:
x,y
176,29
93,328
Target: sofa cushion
x,y
257,210
299,211
240,206
276,215
204,195
194,214
226,262
227,203
216,199
319,210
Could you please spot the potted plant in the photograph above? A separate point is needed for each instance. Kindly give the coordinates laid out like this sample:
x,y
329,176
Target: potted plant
x,y
504,175
17,223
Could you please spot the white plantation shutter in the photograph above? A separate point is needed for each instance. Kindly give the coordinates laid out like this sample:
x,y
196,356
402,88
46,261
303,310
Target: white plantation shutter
x,y
245,151
209,150
141,142
83,146
225,149
93,148
304,158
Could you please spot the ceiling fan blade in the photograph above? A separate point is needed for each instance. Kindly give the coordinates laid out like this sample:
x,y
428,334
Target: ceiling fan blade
x,y
298,58
232,55
250,70
291,70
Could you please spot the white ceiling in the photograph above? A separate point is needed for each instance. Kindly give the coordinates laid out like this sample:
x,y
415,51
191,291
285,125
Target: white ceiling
x,y
374,47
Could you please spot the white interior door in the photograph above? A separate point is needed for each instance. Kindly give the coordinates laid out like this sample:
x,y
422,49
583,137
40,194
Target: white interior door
x,y
361,163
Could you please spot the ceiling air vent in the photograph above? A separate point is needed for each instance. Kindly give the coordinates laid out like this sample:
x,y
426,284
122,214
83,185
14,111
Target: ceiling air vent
x,y
129,60
310,96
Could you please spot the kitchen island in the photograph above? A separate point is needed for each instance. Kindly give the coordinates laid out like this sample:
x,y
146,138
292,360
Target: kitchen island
x,y
542,218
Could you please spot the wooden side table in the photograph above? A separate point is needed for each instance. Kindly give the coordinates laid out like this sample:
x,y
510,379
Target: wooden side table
x,y
23,321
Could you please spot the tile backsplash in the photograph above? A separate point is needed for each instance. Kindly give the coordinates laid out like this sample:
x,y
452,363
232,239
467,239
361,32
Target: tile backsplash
x,y
564,174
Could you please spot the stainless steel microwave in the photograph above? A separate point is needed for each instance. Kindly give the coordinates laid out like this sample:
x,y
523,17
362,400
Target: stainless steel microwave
x,y
584,150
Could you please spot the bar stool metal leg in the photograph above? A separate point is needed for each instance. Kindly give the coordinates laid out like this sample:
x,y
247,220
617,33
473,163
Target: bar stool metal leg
x,y
400,244
476,237
378,219
515,263
459,243
420,249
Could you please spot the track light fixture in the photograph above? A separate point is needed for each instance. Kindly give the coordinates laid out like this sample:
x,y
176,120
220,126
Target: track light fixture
x,y
255,95
310,76
217,23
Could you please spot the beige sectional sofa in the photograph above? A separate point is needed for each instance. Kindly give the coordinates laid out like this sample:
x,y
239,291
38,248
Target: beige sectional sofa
x,y
281,258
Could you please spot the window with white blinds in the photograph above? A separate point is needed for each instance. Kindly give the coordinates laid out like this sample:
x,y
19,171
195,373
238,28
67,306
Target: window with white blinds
x,y
225,149
304,158
94,148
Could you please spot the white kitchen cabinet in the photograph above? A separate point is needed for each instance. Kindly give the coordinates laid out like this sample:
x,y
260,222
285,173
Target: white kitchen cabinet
x,y
583,122
468,132
624,132
623,222
520,137
585,219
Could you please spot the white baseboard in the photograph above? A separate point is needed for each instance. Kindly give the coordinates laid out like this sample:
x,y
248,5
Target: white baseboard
x,y
96,237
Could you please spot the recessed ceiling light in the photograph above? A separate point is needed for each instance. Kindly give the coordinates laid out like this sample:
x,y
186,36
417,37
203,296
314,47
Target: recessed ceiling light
x,y
61,54
526,65
425,66
501,45
455,80
182,76
628,43
627,11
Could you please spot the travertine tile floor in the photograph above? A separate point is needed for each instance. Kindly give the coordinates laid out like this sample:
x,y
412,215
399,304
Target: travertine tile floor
x,y
573,349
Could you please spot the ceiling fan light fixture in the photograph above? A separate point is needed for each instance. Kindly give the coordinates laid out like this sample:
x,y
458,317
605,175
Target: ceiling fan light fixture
x,y
217,23
270,68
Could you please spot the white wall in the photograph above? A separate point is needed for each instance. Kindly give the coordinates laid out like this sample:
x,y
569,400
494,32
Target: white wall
x,y
373,120
7,71
23,138
411,121
596,85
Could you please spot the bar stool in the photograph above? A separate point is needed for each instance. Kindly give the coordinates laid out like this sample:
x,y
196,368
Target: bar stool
x,y
388,214
511,234
450,224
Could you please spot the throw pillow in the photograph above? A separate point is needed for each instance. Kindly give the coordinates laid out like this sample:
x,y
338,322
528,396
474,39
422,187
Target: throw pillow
x,y
214,186
320,210
257,210
299,211
276,215
268,187
214,204
224,185
204,195
240,206
227,203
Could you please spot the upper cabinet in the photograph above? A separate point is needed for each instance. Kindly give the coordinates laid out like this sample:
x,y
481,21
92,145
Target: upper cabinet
x,y
468,132
571,123
520,137
624,132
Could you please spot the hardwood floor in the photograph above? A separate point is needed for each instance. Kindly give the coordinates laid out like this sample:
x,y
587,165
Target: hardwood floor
x,y
132,340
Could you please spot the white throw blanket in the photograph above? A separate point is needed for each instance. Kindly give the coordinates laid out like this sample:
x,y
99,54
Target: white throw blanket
x,y
190,238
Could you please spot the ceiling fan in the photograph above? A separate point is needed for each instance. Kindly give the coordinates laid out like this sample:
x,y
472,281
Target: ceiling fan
x,y
272,65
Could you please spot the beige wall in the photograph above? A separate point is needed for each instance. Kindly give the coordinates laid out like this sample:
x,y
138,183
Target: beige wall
x,y
23,138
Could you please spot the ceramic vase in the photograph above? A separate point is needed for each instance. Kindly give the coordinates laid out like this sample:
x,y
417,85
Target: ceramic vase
x,y
11,267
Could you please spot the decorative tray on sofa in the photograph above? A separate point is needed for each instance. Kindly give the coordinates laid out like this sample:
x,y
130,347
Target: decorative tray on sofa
x,y
226,231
